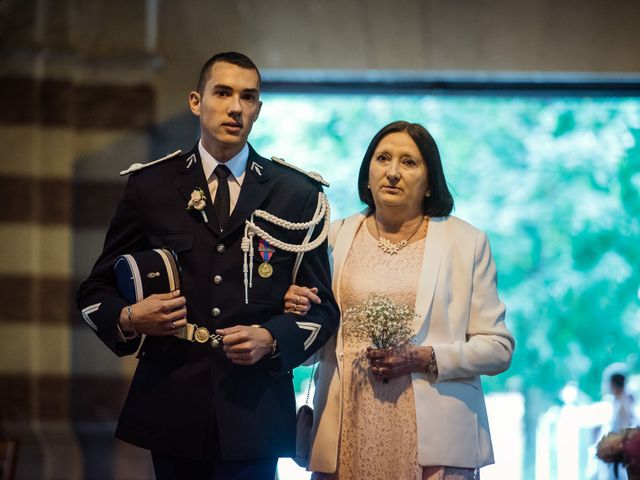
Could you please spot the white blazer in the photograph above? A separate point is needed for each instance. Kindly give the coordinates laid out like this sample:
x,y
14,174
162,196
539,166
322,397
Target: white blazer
x,y
461,316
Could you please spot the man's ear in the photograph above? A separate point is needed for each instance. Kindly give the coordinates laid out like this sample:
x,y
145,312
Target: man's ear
x,y
194,103
258,111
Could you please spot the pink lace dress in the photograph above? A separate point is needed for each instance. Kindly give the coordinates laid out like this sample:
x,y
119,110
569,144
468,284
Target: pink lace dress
x,y
378,439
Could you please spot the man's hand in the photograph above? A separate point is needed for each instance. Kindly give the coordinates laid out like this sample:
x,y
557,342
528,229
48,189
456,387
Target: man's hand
x,y
298,299
245,345
160,314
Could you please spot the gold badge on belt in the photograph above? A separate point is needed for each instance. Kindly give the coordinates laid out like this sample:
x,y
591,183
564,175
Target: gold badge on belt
x,y
265,269
201,335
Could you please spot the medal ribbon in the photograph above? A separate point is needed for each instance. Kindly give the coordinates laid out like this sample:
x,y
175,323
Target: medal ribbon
x,y
266,250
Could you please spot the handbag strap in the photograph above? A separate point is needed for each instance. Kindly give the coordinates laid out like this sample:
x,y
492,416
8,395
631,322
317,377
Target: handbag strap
x,y
313,369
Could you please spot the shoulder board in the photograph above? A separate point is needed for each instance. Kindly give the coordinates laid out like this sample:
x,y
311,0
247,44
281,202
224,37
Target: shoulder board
x,y
140,166
316,177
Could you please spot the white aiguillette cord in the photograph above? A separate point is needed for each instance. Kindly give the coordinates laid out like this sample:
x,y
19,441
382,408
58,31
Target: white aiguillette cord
x,y
251,230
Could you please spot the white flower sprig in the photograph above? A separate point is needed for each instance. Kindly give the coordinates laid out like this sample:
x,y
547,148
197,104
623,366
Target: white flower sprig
x,y
198,201
380,320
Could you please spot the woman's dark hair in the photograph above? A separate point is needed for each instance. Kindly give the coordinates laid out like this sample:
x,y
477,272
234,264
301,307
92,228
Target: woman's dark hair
x,y
440,202
233,58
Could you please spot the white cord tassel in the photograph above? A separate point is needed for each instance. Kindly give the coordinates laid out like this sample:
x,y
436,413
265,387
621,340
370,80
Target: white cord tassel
x,y
244,245
251,254
251,229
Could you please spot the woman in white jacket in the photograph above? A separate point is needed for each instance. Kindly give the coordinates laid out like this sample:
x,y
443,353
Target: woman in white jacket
x,y
416,411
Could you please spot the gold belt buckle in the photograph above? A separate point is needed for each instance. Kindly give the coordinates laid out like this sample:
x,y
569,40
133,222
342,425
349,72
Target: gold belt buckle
x,y
202,335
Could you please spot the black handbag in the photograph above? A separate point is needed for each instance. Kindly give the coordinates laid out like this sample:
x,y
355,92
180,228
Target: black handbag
x,y
304,424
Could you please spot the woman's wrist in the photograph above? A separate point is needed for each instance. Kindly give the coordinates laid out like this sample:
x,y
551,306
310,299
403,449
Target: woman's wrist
x,y
430,366
421,359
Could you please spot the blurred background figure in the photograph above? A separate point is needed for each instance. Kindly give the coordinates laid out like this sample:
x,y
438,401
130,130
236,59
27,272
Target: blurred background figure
x,y
622,415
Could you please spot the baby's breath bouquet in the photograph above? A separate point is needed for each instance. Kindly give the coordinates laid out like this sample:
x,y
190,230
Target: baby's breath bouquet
x,y
381,321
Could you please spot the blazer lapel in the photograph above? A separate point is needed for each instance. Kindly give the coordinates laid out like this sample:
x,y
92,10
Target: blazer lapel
x,y
431,261
340,252
253,191
193,178
342,246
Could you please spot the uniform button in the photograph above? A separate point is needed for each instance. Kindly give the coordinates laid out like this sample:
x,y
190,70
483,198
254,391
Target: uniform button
x,y
220,248
217,279
215,312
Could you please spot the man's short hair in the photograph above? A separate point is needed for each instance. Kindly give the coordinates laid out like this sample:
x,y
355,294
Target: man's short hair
x,y
234,58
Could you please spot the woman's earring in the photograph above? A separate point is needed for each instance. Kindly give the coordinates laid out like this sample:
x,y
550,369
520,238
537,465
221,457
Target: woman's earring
x,y
427,194
368,186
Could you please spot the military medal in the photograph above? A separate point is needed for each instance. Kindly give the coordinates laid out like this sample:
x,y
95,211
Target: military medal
x,y
265,269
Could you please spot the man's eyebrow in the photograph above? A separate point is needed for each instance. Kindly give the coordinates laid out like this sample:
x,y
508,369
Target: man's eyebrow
x,y
222,86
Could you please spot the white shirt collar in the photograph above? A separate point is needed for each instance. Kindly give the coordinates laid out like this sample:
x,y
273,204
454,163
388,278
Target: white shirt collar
x,y
237,164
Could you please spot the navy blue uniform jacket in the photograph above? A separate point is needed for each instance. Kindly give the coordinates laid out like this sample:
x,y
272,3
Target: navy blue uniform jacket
x,y
178,385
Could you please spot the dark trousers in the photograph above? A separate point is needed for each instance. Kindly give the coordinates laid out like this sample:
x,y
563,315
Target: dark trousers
x,y
168,467
212,467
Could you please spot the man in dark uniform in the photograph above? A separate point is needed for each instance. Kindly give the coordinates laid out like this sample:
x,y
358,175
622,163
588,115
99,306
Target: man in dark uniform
x,y
207,412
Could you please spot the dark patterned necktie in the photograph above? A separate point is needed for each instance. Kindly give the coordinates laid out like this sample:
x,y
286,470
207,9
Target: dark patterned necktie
x,y
221,202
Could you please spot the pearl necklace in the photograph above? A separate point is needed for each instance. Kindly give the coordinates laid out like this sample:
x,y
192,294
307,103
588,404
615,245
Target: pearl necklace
x,y
393,248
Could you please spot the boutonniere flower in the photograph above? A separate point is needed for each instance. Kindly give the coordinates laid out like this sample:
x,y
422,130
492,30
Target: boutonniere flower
x,y
198,201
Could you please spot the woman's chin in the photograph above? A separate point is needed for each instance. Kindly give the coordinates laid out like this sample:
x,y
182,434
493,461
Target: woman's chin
x,y
392,201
